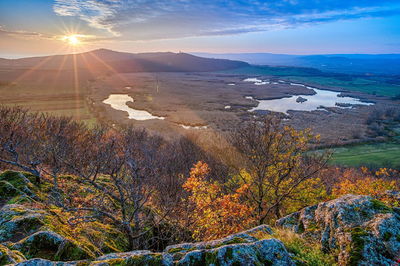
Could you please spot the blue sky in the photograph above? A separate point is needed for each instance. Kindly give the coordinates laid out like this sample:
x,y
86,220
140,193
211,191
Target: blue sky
x,y
36,27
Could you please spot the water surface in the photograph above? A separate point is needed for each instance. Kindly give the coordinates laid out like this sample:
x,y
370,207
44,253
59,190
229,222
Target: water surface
x,y
321,99
119,102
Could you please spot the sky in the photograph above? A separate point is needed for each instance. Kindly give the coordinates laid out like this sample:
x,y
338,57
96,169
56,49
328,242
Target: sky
x,y
42,27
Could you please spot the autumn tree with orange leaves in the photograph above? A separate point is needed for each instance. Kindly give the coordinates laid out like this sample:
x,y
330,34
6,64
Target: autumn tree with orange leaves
x,y
215,213
275,165
365,182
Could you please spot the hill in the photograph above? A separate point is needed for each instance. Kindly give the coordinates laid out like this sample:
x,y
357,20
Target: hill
x,y
107,60
382,64
351,230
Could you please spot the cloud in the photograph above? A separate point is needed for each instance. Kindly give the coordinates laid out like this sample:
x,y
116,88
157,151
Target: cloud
x,y
158,19
24,34
95,12
28,35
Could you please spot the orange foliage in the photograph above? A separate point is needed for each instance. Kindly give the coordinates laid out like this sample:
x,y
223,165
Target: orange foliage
x,y
366,183
216,214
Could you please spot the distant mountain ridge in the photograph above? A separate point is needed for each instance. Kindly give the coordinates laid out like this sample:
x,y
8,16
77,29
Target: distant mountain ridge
x,y
107,60
387,64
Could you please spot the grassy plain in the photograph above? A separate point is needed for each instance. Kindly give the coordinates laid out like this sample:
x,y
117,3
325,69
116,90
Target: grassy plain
x,y
194,99
379,85
371,155
59,93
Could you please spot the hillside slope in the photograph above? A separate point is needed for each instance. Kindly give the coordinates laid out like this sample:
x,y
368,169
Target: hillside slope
x,y
381,64
351,230
107,60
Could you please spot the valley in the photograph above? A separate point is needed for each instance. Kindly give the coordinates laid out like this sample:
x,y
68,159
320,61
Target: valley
x,y
171,103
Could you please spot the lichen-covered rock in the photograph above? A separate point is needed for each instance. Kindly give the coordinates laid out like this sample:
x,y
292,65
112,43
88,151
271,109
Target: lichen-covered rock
x,y
242,237
137,257
19,181
239,249
43,262
17,221
263,252
364,230
49,245
8,256
8,191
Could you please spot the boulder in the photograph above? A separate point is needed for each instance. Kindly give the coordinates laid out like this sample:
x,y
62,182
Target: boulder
x,y
8,191
239,249
137,257
50,245
15,185
263,252
18,221
8,256
239,238
19,181
363,229
43,262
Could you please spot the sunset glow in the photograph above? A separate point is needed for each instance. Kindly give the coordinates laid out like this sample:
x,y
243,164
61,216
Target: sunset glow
x,y
72,40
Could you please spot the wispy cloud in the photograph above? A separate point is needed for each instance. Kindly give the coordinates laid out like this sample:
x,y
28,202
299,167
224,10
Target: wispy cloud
x,y
30,35
24,34
157,19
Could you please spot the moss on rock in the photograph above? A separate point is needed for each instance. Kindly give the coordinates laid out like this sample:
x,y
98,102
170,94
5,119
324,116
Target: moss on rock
x,y
8,191
380,206
8,256
358,236
17,221
49,245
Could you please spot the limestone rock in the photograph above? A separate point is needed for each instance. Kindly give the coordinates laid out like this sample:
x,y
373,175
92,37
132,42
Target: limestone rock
x,y
137,257
263,252
43,262
242,237
8,256
17,221
49,245
238,249
15,184
364,230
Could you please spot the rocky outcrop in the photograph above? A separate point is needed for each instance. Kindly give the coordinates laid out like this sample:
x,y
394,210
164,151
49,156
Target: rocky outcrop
x,y
364,230
244,248
49,245
8,256
240,249
15,185
18,221
44,262
358,230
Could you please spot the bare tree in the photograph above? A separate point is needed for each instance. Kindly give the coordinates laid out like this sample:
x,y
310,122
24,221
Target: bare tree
x,y
18,139
121,171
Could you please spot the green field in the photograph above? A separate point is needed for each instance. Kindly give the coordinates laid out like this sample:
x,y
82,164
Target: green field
x,y
371,155
379,85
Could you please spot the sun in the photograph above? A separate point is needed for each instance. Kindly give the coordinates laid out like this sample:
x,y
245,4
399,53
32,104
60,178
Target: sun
x,y
72,40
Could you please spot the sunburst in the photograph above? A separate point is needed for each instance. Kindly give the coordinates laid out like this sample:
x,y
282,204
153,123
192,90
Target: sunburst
x,y
73,39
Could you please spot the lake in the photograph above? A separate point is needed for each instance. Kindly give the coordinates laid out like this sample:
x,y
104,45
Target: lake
x,y
119,102
322,98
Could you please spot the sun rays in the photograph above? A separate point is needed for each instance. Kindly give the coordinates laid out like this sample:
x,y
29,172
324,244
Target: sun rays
x,y
72,40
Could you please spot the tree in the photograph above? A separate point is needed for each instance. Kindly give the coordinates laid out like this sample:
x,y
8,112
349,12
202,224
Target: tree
x,y
215,213
276,167
18,142
365,182
119,169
